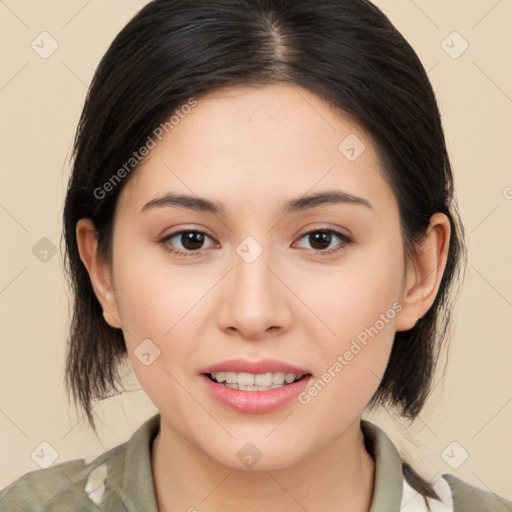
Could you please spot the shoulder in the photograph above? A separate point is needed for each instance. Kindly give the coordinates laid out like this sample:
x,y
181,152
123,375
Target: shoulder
x,y
468,498
70,485
118,479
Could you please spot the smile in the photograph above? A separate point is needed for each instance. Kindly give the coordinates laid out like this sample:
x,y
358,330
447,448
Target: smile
x,y
254,382
254,398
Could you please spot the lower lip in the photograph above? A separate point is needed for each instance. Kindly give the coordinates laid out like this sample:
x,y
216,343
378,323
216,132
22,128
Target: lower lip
x,y
255,402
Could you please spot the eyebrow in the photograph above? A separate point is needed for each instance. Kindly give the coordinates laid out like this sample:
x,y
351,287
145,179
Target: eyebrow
x,y
302,203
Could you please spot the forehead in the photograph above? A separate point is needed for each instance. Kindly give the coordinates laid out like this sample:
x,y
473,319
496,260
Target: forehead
x,y
260,143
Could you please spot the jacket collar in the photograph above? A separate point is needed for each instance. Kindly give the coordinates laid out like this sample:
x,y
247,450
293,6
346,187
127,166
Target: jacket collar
x,y
388,486
138,492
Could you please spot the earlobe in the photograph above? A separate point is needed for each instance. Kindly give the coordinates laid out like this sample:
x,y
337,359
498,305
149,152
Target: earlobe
x,y
424,272
112,321
98,269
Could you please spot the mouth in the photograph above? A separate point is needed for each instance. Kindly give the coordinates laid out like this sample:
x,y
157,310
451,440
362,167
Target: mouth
x,y
255,382
254,387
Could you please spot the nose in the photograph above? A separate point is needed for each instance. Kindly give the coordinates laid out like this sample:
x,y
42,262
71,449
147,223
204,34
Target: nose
x,y
255,300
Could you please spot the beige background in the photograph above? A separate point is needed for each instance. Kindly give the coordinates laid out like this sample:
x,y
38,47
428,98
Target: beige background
x,y
40,102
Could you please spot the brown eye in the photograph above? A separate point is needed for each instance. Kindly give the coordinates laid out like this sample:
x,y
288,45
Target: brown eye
x,y
192,240
321,240
185,242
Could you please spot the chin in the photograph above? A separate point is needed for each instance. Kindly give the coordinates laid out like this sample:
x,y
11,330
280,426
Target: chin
x,y
259,452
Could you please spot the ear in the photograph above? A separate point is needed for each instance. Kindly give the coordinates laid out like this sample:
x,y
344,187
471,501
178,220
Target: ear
x,y
424,272
99,270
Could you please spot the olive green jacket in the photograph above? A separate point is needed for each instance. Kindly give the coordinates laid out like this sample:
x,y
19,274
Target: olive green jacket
x,y
120,480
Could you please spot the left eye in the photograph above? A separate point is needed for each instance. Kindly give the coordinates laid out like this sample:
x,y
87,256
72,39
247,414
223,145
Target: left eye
x,y
191,240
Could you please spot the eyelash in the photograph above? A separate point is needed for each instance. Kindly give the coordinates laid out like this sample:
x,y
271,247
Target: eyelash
x,y
345,240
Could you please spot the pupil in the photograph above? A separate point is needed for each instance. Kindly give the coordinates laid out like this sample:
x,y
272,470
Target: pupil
x,y
321,237
189,239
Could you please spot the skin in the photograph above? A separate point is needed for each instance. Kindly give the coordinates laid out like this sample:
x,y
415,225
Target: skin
x,y
252,149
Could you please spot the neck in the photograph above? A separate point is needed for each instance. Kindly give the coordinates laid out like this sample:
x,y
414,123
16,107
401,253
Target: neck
x,y
338,477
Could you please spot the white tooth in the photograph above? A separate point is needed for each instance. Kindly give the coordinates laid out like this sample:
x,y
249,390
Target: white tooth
x,y
251,382
278,378
289,377
263,379
241,387
257,388
231,377
246,379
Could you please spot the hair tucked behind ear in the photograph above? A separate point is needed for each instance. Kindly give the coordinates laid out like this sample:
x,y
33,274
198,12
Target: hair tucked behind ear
x,y
348,53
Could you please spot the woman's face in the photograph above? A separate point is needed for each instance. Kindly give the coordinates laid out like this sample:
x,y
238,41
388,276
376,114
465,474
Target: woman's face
x,y
316,284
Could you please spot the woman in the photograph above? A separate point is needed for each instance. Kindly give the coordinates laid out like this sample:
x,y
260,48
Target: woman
x,y
261,217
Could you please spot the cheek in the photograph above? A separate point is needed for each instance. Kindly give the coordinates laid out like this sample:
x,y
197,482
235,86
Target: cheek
x,y
359,304
153,295
354,295
157,311
159,304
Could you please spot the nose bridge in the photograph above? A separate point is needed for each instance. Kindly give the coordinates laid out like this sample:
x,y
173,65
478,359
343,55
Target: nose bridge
x,y
252,277
255,300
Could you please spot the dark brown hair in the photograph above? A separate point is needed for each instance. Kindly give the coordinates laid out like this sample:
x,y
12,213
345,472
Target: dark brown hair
x,y
348,53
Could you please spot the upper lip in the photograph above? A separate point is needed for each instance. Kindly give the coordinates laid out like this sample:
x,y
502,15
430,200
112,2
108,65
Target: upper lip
x,y
255,367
